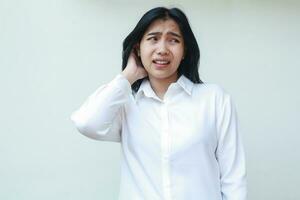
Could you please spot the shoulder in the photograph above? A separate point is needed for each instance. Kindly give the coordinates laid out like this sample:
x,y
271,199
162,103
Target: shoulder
x,y
212,89
212,93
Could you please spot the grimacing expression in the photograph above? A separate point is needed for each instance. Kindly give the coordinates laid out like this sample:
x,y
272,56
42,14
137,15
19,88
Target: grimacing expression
x,y
162,49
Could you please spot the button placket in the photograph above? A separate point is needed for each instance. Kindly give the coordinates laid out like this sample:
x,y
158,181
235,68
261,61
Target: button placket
x,y
165,146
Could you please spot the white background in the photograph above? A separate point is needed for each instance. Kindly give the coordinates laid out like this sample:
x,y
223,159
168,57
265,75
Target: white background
x,y
53,54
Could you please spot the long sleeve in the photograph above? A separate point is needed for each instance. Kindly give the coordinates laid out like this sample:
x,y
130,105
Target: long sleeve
x,y
230,152
100,116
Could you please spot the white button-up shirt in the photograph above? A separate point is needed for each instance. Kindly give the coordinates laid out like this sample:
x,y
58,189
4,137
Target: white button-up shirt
x,y
184,147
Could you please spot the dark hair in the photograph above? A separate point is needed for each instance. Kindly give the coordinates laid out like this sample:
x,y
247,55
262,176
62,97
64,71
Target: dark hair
x,y
190,63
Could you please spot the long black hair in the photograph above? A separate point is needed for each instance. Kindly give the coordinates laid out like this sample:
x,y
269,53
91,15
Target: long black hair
x,y
189,65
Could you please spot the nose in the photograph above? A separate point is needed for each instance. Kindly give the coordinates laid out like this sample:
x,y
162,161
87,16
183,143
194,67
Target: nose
x,y
162,49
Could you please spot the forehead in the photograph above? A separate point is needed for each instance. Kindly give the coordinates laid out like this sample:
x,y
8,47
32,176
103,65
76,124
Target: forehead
x,y
161,25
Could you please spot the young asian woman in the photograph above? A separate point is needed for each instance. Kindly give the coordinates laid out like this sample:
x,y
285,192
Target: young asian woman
x,y
179,136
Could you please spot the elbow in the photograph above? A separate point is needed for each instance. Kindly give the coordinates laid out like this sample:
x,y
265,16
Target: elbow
x,y
89,128
80,124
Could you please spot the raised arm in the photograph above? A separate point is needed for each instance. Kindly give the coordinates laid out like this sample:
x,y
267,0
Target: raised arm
x,y
100,116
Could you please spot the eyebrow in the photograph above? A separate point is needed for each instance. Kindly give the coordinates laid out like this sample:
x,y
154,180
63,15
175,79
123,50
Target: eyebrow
x,y
170,33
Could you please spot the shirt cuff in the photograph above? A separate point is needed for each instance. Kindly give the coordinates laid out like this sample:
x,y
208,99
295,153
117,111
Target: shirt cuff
x,y
121,82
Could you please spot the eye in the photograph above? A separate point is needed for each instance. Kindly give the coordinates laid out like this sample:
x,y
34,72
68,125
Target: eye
x,y
152,38
175,40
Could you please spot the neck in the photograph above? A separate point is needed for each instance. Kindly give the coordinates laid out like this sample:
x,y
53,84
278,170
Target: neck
x,y
160,86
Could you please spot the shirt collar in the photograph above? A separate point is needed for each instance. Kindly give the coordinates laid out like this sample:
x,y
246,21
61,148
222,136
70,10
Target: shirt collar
x,y
146,89
186,84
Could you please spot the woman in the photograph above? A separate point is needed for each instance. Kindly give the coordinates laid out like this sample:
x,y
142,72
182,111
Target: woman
x,y
179,136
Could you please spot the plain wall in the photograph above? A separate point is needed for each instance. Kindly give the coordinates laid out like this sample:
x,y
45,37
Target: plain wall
x,y
54,54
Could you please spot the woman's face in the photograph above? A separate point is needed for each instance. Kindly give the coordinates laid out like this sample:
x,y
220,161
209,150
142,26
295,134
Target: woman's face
x,y
162,49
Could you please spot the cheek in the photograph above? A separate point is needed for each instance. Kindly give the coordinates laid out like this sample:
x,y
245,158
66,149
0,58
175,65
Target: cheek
x,y
179,51
145,60
146,57
178,54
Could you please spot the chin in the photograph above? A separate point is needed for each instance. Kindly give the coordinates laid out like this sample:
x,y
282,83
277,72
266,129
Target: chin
x,y
161,75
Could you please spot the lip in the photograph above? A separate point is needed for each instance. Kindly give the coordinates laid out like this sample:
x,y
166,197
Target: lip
x,y
161,66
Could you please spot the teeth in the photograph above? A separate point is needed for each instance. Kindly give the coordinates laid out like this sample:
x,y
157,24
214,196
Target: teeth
x,y
161,62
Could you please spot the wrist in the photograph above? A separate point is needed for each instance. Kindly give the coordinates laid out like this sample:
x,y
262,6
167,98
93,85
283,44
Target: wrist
x,y
129,77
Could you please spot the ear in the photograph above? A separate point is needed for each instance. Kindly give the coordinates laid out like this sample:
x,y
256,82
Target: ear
x,y
137,47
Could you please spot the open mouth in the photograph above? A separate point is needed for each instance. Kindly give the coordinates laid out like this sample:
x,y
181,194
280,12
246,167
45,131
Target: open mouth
x,y
161,62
